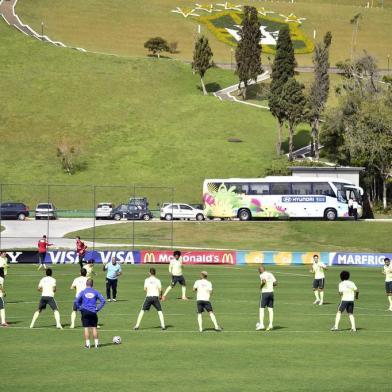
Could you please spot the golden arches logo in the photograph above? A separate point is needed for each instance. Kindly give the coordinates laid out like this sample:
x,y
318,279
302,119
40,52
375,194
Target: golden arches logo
x,y
227,258
149,257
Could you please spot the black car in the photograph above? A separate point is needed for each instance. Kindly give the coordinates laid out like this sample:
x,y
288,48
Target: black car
x,y
14,211
130,212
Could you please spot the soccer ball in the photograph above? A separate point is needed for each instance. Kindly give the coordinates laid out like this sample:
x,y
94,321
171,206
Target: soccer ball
x,y
117,340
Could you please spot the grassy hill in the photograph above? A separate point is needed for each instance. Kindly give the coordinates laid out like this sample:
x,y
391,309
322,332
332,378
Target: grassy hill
x,y
122,26
140,121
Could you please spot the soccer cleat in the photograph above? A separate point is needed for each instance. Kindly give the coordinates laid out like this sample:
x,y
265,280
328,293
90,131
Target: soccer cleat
x,y
321,303
109,300
260,328
185,299
334,329
163,328
59,327
316,302
135,328
72,326
270,328
4,324
200,330
219,329
114,300
353,330
85,346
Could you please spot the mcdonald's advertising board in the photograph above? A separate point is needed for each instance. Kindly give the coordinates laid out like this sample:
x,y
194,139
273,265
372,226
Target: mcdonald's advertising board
x,y
192,257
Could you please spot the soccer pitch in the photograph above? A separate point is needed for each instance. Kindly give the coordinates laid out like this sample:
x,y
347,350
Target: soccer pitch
x,y
301,354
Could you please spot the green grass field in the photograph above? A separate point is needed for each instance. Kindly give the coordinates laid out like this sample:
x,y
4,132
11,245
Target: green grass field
x,y
122,26
283,236
301,354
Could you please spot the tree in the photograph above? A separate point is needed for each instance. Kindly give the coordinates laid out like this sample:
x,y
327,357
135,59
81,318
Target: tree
x,y
69,153
248,51
355,22
202,56
292,104
319,90
157,45
283,68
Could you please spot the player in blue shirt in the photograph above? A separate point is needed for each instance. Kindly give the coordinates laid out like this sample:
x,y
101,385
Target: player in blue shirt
x,y
113,271
86,302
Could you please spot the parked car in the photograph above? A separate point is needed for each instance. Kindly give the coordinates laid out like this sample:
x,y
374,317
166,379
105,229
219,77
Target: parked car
x,y
11,210
45,211
131,212
103,210
181,211
139,202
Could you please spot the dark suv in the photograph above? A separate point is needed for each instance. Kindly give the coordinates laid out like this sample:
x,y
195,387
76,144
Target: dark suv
x,y
131,212
14,211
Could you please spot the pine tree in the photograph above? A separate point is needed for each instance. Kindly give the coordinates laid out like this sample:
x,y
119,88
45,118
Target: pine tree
x,y
248,51
282,69
319,90
202,56
292,104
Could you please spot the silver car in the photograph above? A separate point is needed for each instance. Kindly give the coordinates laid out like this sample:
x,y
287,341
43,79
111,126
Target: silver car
x,y
103,210
170,211
45,211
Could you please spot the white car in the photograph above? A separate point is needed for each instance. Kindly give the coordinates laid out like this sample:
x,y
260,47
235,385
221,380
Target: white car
x,y
181,211
103,210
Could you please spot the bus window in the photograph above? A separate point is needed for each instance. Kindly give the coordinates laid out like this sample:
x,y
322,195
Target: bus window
x,y
280,188
259,189
301,188
239,188
323,188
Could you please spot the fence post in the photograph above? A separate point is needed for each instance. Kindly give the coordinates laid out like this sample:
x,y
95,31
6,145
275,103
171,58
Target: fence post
x,y
133,221
1,202
172,221
48,224
94,217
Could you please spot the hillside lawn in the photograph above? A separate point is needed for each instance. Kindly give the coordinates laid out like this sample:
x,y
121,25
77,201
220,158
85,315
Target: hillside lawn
x,y
137,121
122,26
310,236
301,354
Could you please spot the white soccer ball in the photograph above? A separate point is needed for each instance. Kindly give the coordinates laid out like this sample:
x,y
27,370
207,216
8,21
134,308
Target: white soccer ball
x,y
117,340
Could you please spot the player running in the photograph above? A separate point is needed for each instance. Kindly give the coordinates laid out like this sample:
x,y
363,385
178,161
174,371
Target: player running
x,y
47,286
81,249
203,288
79,284
349,292
2,295
153,289
387,271
89,267
318,269
268,282
42,249
86,302
175,270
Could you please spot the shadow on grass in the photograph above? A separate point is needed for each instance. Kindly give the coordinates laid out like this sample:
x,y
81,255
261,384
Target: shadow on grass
x,y
211,87
14,322
301,139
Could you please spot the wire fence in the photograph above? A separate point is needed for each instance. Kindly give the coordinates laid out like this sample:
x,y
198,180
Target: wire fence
x,y
75,208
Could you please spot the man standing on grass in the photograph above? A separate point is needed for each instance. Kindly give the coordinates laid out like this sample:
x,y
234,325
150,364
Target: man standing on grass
x,y
2,295
175,270
387,271
318,269
86,302
42,249
268,282
81,249
203,288
47,287
153,290
79,284
113,271
349,292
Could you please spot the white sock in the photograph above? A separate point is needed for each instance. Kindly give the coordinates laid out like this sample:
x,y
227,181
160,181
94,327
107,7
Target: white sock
x,y
73,318
316,294
261,317
352,321
321,296
213,319
2,316
96,342
139,318
88,342
200,321
271,316
167,291
183,289
337,319
161,319
36,314
390,300
57,318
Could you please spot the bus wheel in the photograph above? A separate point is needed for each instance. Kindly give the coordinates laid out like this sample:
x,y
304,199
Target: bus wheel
x,y
244,215
330,214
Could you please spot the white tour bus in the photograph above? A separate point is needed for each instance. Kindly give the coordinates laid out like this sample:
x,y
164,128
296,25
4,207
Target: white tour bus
x,y
279,197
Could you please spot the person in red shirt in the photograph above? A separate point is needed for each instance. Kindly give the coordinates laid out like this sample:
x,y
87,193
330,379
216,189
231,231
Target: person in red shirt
x,y
42,249
81,249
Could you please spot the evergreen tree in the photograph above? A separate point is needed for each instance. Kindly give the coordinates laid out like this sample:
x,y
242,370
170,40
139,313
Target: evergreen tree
x,y
292,104
282,69
248,51
202,56
319,90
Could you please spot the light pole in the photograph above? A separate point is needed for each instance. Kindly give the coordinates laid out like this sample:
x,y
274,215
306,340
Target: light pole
x,y
42,30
